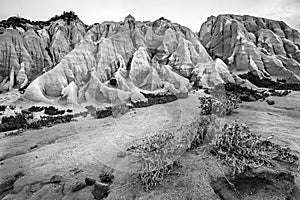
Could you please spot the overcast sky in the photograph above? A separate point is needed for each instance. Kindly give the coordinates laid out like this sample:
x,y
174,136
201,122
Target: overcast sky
x,y
190,13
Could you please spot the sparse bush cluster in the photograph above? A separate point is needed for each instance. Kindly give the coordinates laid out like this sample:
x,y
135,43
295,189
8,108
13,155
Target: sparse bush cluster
x,y
25,120
279,84
155,153
220,107
233,144
159,152
2,108
153,99
242,150
109,110
49,121
17,21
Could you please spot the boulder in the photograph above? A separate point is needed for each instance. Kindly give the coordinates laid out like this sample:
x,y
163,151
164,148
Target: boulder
x,y
100,191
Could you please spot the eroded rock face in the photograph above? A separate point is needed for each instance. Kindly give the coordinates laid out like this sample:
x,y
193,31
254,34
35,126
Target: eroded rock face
x,y
139,56
38,46
265,47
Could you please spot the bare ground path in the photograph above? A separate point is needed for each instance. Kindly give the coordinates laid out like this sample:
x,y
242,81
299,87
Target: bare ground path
x,y
84,148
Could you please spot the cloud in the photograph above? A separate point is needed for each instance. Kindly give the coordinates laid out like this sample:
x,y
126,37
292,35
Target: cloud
x,y
287,11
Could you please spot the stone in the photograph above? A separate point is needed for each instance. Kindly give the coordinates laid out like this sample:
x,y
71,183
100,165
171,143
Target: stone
x,y
56,179
7,185
121,154
78,186
106,177
100,190
90,181
270,102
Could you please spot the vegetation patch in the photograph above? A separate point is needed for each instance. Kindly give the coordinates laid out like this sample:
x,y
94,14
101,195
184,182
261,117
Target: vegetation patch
x,y
153,99
233,144
279,84
242,150
158,153
109,110
220,107
26,121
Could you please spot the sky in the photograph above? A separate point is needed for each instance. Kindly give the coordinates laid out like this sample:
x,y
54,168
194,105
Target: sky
x,y
189,13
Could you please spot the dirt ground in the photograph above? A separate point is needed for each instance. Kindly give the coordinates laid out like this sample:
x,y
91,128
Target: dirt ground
x,y
88,146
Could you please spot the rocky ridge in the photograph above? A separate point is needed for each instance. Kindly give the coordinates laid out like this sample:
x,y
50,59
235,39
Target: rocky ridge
x,y
264,47
138,56
67,62
30,48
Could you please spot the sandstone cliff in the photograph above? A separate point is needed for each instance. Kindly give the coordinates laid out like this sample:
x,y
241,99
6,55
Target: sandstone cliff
x,y
67,62
37,46
265,47
140,56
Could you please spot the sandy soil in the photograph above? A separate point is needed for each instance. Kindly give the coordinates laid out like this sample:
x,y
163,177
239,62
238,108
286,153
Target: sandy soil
x,y
88,146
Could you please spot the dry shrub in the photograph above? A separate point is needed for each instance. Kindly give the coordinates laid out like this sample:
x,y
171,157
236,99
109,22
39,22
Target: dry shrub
x,y
233,144
242,150
158,153
220,106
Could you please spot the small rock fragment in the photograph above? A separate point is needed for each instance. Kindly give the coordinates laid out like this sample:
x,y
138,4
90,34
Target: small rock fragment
x,y
7,185
100,191
106,177
12,107
56,179
90,181
78,186
34,146
121,154
270,102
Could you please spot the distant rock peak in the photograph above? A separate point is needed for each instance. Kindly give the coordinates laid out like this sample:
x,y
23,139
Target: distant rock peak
x,y
129,17
264,47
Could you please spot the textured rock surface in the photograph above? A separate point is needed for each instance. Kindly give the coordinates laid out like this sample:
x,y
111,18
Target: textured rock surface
x,y
213,73
39,46
67,62
140,56
265,47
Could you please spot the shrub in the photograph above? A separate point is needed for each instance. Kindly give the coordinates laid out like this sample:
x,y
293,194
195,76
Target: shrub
x,y
2,108
158,153
26,121
153,99
242,150
218,106
103,112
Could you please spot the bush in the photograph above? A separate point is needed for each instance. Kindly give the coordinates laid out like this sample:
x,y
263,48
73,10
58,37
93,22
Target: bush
x,y
26,121
153,99
53,111
2,108
158,153
218,106
103,112
242,150
233,144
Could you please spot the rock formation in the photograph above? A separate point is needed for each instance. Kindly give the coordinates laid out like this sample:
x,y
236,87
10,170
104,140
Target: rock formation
x,y
141,57
67,62
264,47
39,46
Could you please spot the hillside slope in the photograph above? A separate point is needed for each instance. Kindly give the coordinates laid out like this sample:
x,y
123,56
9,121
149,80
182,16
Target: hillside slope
x,y
264,47
28,48
65,61
138,56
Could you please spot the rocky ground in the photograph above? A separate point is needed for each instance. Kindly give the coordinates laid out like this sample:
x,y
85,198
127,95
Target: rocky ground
x,y
53,163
